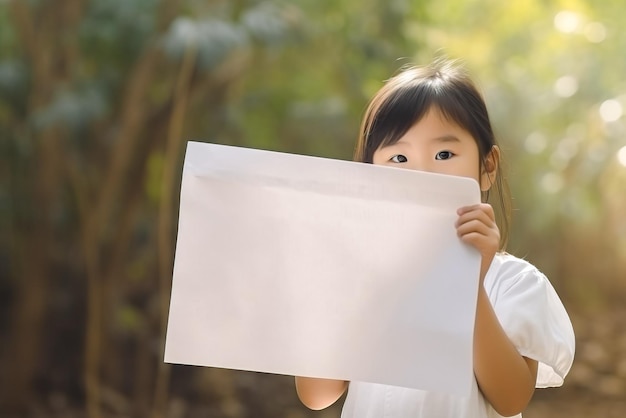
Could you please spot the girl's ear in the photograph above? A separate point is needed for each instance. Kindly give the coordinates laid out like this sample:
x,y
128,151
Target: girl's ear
x,y
490,169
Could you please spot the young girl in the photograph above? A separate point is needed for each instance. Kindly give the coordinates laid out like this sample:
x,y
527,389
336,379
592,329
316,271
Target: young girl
x,y
434,119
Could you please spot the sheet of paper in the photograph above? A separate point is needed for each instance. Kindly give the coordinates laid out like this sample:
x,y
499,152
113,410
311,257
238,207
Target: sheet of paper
x,y
307,266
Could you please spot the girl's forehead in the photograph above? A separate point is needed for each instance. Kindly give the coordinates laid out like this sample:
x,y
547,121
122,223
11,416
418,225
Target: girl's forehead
x,y
433,128
435,116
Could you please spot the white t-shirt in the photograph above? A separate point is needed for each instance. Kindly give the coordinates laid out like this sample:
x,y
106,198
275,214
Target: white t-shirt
x,y
534,319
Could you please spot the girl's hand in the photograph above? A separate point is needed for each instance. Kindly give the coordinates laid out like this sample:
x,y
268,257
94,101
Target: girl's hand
x,y
477,226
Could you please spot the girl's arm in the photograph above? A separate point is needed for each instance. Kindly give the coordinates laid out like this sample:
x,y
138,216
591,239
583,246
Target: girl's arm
x,y
319,393
506,378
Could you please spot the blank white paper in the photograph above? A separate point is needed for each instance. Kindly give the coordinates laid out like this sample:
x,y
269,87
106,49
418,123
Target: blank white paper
x,y
316,267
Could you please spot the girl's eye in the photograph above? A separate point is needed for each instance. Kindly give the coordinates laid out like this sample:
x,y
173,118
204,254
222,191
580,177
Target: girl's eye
x,y
444,155
399,158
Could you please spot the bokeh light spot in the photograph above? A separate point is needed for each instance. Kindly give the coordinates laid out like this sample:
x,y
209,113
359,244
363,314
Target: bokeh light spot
x,y
566,86
611,110
535,143
552,182
595,32
567,148
621,156
566,21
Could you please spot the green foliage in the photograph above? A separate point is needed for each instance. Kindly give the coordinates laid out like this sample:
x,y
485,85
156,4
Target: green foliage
x,y
546,70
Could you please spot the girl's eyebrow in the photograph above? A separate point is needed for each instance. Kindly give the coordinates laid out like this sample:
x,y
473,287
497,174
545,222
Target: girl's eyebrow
x,y
446,138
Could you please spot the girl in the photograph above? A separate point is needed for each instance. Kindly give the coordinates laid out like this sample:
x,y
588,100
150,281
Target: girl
x,y
434,119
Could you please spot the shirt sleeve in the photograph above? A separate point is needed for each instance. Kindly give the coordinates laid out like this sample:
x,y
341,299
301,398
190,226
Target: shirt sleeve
x,y
537,323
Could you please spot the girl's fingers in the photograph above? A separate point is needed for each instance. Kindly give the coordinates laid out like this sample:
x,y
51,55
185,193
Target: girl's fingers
x,y
474,226
475,217
482,208
479,215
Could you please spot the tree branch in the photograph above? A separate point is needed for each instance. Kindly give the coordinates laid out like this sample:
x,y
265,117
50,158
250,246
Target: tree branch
x,y
167,209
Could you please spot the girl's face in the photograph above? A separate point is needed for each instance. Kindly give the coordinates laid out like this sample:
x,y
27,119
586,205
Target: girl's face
x,y
437,145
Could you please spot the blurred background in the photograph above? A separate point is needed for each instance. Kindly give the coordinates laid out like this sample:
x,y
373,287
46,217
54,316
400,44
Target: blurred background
x,y
97,100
